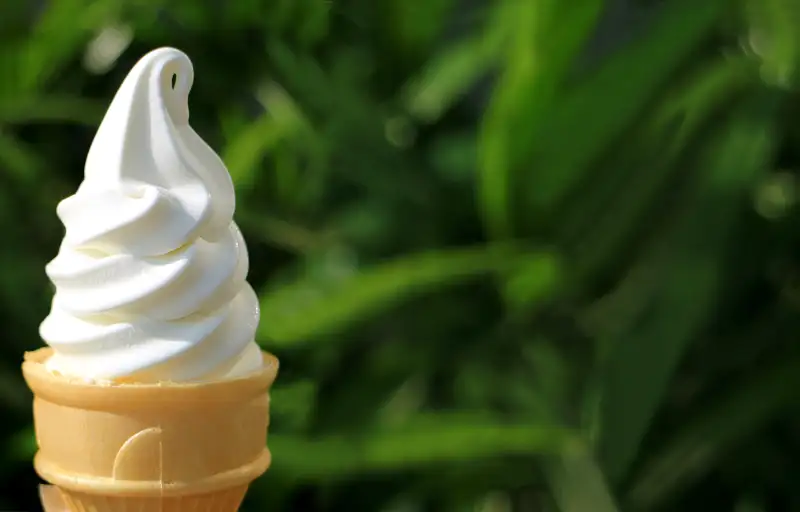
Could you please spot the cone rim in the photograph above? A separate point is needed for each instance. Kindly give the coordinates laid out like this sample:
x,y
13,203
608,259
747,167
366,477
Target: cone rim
x,y
74,392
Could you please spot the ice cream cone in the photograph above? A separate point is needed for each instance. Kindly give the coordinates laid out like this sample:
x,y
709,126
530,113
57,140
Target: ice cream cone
x,y
51,498
166,447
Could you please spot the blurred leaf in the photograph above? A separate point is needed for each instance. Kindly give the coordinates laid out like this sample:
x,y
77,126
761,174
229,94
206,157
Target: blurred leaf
x,y
607,218
414,25
449,75
14,394
644,358
246,149
406,401
308,309
50,108
53,42
704,440
281,14
578,484
22,446
608,144
440,439
243,155
291,406
534,280
316,24
774,38
551,372
545,38
350,119
453,157
592,115
281,233
19,162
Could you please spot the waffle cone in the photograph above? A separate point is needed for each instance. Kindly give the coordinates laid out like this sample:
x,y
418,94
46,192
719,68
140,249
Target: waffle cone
x,y
166,447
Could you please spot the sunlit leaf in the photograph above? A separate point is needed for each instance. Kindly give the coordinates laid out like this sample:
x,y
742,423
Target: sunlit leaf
x,y
545,38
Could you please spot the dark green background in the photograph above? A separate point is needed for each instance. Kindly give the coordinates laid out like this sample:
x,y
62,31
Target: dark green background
x,y
514,255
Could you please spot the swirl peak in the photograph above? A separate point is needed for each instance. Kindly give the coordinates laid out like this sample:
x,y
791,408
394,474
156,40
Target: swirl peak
x,y
150,278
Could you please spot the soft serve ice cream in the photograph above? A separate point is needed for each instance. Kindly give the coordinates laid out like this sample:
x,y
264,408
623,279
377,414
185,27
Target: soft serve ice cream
x,y
150,278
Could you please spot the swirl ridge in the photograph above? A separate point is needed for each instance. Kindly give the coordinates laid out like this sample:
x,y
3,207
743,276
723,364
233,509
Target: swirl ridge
x,y
151,275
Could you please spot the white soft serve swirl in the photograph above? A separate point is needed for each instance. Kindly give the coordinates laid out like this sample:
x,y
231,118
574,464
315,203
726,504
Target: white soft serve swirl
x,y
150,278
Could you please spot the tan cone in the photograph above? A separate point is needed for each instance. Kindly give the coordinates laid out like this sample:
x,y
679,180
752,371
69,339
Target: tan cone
x,y
164,447
51,498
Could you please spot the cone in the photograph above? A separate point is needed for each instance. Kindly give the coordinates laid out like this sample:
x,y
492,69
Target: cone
x,y
52,500
167,447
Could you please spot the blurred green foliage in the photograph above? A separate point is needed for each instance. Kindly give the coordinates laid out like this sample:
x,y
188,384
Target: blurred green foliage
x,y
513,255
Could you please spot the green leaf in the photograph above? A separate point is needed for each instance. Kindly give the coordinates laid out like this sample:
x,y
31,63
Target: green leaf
x,y
315,21
50,108
249,145
593,115
774,37
439,439
545,38
243,154
281,233
578,484
292,405
53,42
448,76
604,220
643,359
705,439
414,25
308,309
351,118
453,157
22,164
535,280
